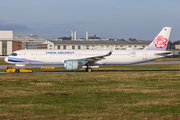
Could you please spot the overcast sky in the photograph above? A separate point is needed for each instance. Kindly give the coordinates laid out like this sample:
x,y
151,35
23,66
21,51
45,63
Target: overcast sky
x,y
140,19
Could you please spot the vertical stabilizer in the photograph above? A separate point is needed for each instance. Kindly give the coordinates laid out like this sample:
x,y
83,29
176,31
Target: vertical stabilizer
x,y
161,40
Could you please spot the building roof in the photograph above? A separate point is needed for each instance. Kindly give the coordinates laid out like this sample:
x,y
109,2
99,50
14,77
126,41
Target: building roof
x,y
6,35
138,42
98,42
27,38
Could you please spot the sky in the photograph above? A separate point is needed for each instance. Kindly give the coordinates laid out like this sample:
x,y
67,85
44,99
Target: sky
x,y
140,19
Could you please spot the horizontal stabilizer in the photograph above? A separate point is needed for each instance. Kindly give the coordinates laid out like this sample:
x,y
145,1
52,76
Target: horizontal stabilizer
x,y
164,54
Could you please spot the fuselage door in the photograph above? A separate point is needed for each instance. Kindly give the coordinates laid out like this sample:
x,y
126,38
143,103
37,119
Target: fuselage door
x,y
144,56
23,54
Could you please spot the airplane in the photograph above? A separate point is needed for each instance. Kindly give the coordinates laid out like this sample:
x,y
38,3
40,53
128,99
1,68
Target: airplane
x,y
76,59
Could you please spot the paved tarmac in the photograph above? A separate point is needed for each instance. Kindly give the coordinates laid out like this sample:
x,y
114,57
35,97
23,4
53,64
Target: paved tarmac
x,y
159,62
5,66
145,63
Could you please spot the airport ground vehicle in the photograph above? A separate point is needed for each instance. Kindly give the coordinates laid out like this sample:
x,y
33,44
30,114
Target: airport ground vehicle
x,y
10,69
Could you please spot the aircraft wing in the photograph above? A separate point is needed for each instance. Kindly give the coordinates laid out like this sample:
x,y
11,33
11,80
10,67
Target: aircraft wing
x,y
97,58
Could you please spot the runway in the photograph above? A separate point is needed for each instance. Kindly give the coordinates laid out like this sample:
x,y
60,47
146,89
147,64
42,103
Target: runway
x,y
5,66
145,63
159,62
49,72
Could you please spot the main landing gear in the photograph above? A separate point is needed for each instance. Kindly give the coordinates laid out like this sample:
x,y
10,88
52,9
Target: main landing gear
x,y
88,69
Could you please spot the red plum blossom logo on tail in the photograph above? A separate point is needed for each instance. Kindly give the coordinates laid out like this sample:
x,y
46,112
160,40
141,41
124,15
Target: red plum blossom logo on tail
x,y
160,42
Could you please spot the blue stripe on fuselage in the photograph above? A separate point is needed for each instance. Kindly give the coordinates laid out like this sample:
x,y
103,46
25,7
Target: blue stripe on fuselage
x,y
11,59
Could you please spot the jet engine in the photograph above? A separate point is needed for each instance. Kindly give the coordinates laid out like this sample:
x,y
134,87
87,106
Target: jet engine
x,y
73,64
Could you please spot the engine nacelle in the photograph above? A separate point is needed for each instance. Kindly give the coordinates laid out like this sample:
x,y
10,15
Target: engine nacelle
x,y
73,64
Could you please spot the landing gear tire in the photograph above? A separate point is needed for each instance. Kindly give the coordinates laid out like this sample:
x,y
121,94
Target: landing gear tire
x,y
17,71
88,70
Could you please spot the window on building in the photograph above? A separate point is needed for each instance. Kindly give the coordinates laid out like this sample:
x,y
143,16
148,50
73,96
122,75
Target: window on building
x,y
4,47
64,47
121,45
135,46
79,47
58,46
129,46
73,47
18,45
143,46
18,42
50,46
101,45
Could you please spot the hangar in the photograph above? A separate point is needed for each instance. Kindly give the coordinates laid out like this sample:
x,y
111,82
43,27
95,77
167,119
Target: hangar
x,y
72,44
6,42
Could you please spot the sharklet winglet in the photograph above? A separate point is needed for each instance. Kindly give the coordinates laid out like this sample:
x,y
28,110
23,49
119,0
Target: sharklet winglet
x,y
110,52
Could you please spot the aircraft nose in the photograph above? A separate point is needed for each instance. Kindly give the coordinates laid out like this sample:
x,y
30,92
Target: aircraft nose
x,y
6,59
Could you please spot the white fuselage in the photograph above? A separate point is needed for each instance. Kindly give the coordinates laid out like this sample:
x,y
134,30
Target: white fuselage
x,y
57,57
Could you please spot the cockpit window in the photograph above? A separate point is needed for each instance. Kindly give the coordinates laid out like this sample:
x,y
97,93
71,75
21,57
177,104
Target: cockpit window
x,y
13,54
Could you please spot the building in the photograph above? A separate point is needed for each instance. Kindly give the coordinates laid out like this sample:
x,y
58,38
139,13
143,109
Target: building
x,y
171,47
29,42
174,45
6,38
73,35
69,44
17,45
42,46
10,43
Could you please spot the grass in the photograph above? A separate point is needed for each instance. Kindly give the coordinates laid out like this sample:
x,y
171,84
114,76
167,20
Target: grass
x,y
119,92
2,62
170,59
